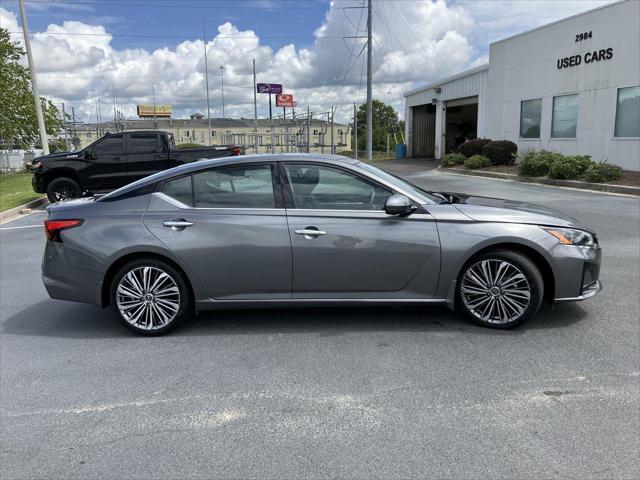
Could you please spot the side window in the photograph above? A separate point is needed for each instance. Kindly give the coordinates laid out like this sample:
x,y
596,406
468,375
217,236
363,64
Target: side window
x,y
180,189
237,186
143,143
109,146
320,187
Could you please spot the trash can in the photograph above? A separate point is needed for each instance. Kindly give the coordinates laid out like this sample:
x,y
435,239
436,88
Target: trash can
x,y
401,151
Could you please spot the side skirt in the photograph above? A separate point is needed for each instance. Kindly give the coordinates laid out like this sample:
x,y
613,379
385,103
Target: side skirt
x,y
203,305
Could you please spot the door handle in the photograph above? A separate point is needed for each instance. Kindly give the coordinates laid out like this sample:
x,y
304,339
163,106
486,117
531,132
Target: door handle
x,y
310,232
177,224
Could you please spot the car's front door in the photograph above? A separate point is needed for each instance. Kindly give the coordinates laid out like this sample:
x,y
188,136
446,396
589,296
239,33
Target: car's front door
x,y
345,246
105,168
229,227
146,155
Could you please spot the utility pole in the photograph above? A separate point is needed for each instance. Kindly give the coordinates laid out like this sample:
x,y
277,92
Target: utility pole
x,y
73,119
155,120
369,85
355,128
308,130
333,151
255,107
64,125
34,82
206,77
222,85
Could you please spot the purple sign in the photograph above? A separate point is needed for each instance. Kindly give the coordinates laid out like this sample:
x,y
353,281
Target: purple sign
x,y
269,88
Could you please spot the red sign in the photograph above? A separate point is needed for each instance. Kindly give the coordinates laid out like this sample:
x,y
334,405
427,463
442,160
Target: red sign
x,y
284,100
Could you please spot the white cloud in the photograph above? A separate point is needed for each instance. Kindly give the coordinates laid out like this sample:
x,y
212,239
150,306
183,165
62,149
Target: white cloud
x,y
414,43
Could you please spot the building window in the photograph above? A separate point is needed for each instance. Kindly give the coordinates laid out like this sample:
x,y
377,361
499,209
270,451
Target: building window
x,y
628,112
213,133
530,113
565,116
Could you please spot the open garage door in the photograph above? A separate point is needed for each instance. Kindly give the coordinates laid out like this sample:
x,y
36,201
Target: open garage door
x,y
423,140
461,122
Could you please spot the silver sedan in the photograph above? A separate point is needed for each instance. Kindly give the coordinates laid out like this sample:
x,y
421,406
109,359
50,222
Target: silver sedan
x,y
299,230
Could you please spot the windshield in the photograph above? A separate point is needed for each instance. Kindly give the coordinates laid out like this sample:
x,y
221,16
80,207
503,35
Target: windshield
x,y
419,193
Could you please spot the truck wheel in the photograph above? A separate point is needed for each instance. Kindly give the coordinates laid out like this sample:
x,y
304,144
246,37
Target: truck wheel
x,y
62,188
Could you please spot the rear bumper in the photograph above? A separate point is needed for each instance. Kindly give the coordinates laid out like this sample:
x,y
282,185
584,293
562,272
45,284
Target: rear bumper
x,y
65,281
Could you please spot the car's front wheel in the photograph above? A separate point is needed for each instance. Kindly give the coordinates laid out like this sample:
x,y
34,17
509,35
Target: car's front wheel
x,y
63,188
500,289
150,297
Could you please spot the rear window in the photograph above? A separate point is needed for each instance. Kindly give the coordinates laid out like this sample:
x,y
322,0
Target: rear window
x,y
143,143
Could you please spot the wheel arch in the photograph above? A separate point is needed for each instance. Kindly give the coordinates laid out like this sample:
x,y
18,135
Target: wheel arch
x,y
530,252
105,288
58,173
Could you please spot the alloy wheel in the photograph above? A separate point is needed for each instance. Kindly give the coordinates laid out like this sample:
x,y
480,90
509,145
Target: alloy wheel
x,y
63,193
148,298
495,291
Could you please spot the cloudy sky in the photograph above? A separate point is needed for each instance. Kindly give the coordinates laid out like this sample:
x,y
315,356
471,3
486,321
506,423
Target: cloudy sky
x,y
84,48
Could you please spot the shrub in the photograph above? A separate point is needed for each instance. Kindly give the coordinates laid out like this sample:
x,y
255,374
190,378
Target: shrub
x,y
473,147
537,163
453,159
500,152
477,161
602,172
570,166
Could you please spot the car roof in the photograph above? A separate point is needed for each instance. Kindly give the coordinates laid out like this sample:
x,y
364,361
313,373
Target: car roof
x,y
236,160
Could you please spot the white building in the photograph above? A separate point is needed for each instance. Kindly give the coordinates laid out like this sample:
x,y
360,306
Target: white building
x,y
572,86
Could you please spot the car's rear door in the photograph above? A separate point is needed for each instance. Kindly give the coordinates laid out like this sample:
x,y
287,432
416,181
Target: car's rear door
x,y
345,246
234,236
146,154
106,169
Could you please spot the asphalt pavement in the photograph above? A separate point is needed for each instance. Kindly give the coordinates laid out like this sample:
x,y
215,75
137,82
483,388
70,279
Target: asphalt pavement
x,y
399,392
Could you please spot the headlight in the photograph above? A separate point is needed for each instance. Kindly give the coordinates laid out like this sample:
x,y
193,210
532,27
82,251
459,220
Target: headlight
x,y
570,236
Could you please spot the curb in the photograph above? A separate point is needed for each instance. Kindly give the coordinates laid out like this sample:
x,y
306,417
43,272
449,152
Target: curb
x,y
598,187
13,213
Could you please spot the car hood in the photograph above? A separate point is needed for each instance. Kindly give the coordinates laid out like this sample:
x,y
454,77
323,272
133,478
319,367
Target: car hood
x,y
52,157
487,209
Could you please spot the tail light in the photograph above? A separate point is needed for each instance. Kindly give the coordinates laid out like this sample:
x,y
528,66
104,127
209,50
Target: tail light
x,y
236,151
52,228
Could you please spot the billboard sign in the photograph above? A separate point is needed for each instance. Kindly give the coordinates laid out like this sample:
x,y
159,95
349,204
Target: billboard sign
x,y
269,88
284,100
146,111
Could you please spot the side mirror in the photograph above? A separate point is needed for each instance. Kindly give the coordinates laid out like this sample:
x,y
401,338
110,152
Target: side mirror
x,y
398,205
89,155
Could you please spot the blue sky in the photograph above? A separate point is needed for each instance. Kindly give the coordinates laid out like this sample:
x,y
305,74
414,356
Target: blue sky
x,y
85,48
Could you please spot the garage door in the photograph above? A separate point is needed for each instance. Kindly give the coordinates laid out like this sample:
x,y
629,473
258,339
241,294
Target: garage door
x,y
424,130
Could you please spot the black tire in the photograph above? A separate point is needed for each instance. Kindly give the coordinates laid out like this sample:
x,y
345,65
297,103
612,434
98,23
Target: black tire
x,y
184,299
534,283
63,188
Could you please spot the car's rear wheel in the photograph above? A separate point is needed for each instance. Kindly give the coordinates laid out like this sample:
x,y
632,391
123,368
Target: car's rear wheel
x,y
150,297
500,289
63,188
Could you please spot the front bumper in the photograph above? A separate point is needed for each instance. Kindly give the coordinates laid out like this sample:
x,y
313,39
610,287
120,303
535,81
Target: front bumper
x,y
588,291
37,182
577,271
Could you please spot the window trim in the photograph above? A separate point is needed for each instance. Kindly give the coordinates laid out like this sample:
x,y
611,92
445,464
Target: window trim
x,y
288,193
275,181
540,119
553,100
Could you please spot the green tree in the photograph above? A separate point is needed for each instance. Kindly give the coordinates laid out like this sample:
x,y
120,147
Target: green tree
x,y
18,123
385,120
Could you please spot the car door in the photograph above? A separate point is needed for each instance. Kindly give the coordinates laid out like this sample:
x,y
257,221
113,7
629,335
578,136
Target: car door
x,y
345,246
229,226
145,155
105,167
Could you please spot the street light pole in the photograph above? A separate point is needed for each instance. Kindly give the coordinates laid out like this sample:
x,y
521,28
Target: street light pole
x,y
369,86
34,82
206,77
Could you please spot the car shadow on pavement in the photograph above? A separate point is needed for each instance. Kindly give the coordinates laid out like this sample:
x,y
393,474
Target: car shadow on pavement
x,y
71,320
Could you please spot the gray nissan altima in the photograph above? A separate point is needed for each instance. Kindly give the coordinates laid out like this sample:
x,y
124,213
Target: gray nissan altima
x,y
301,230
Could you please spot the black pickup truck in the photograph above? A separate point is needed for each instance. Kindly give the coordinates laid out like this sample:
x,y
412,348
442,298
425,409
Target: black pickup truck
x,y
113,161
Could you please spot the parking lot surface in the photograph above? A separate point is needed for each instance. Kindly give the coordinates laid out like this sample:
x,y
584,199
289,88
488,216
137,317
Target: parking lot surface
x,y
396,392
